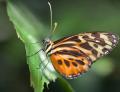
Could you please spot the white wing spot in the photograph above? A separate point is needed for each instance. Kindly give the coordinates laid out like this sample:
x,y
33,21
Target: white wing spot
x,y
97,41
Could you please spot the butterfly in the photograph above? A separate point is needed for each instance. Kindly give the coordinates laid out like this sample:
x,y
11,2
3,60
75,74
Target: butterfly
x,y
71,56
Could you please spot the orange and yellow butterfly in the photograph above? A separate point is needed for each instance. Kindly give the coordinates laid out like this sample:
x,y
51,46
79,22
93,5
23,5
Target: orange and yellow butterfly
x,y
73,55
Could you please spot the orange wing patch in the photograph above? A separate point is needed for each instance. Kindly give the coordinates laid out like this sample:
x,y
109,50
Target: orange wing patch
x,y
70,66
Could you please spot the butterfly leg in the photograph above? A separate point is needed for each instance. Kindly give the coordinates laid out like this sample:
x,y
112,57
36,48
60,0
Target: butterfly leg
x,y
35,53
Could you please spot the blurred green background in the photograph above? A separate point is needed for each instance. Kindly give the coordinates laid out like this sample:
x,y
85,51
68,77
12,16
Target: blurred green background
x,y
73,17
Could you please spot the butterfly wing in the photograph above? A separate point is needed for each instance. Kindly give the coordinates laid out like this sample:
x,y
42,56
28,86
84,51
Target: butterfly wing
x,y
73,55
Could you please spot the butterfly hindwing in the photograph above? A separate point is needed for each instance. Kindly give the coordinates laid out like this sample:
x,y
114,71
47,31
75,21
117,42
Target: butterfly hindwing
x,y
70,66
73,55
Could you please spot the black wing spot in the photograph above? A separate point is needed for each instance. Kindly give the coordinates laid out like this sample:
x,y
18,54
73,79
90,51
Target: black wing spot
x,y
74,64
67,63
94,52
80,62
69,52
105,50
59,62
95,45
70,58
75,38
86,46
85,37
100,41
96,34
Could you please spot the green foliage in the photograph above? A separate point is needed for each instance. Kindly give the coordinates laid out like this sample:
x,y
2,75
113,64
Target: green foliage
x,y
28,30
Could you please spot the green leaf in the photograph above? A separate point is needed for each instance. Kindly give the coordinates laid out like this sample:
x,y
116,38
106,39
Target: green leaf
x,y
29,30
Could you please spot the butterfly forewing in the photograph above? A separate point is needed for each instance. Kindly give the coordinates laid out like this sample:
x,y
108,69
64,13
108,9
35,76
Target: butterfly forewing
x,y
73,55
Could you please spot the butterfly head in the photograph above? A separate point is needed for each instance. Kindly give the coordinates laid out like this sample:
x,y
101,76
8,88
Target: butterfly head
x,y
47,45
46,41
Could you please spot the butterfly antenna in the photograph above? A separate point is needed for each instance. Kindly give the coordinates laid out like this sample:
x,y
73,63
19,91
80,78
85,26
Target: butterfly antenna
x,y
51,22
51,19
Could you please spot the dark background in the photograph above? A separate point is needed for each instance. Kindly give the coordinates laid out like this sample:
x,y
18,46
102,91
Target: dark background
x,y
73,17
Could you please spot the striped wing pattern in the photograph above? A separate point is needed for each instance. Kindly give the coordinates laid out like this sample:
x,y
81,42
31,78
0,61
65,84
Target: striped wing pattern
x,y
72,56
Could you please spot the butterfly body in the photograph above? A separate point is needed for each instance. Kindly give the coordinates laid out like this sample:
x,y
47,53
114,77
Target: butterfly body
x,y
73,55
